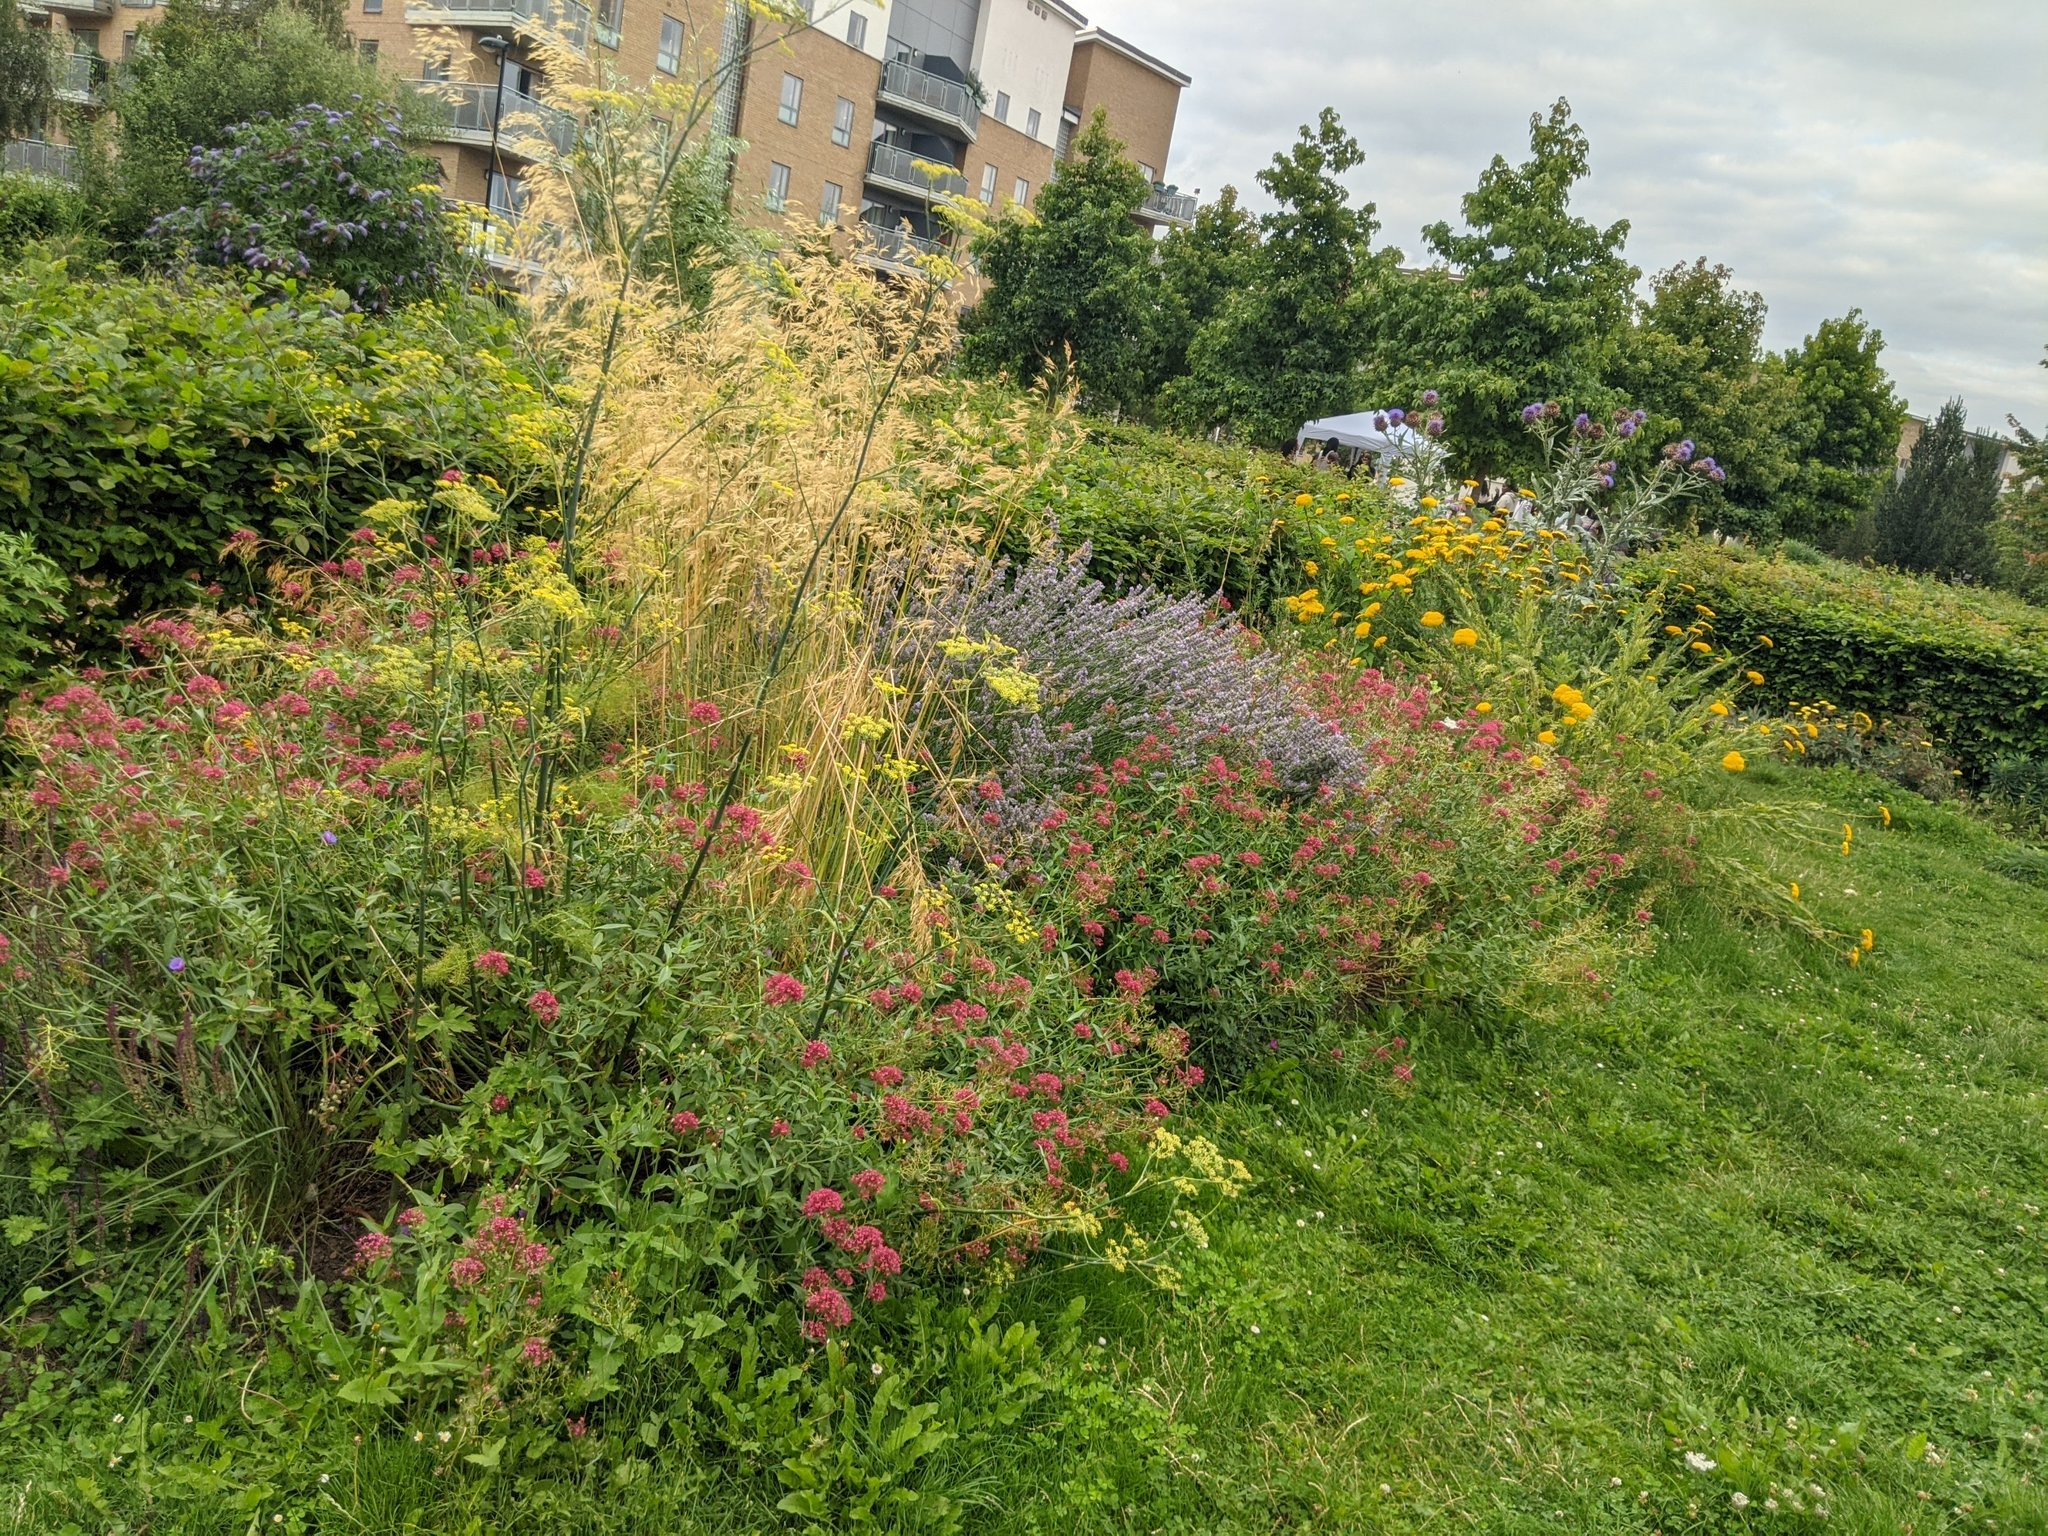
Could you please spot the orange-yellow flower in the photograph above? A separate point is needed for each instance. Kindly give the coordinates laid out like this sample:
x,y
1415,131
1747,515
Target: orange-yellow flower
x,y
1432,620
1304,500
1734,762
1464,637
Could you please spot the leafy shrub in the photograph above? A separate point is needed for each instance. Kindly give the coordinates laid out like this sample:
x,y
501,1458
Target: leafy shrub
x,y
328,196
32,209
1171,513
1971,665
143,424
31,608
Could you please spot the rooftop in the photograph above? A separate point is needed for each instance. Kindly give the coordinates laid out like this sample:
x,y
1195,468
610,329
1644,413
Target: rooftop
x,y
1132,52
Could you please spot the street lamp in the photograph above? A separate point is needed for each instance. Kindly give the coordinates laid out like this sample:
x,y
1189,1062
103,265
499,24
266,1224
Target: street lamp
x,y
498,47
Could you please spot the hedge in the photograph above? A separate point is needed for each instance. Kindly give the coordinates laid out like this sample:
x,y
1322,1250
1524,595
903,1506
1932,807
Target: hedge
x,y
1971,664
1175,513
143,422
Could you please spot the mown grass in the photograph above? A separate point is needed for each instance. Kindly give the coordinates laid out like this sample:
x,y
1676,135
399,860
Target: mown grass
x,y
1763,1208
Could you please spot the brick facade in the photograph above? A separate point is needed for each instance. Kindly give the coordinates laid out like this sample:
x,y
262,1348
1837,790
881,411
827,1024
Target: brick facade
x,y
831,71
1141,100
1013,154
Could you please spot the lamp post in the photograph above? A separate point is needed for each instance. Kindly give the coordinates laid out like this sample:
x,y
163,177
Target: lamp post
x,y
497,47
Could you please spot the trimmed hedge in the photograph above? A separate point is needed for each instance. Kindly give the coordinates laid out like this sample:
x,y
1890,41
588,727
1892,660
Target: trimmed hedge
x,y
143,422
1178,514
1971,664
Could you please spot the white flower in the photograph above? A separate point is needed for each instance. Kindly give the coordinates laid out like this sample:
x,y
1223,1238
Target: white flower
x,y
444,1437
876,1368
1739,1499
323,1477
1698,1462
1255,1327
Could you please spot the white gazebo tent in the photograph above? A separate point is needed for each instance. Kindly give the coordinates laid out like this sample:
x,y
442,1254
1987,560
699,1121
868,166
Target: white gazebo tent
x,y
1358,431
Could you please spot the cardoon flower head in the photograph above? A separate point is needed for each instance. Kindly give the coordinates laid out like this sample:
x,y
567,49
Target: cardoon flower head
x,y
1582,424
1531,412
1379,421
1434,426
1430,397
1685,451
1397,416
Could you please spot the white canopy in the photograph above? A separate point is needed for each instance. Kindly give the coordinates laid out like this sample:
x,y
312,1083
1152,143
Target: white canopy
x,y
1357,431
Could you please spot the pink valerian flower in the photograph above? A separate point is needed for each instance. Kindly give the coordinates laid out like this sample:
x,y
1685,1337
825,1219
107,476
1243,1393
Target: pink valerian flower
x,y
577,1429
877,1291
704,712
536,1351
411,1218
780,988
683,1122
532,1258
886,1077
500,1103
779,1128
545,1005
372,1248
534,878
466,1272
1157,1109
1136,983
823,1202
1119,1162
868,1182
816,1053
494,961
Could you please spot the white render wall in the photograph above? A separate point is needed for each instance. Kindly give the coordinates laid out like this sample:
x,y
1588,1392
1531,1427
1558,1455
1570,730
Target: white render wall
x,y
830,17
1023,48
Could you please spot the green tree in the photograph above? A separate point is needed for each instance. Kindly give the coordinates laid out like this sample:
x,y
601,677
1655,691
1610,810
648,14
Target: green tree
x,y
27,87
1529,306
1936,518
206,67
1072,280
1284,346
1847,437
1694,360
1200,267
2021,533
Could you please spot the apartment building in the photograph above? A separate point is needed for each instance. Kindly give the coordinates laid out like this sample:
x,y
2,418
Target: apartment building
x,y
872,113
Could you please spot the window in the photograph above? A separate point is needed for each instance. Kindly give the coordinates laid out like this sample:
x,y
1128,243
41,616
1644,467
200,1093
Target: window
x,y
1151,176
611,16
792,100
373,7
1022,191
778,186
988,184
127,45
1002,106
367,47
669,57
1031,122
857,30
842,122
828,203
432,68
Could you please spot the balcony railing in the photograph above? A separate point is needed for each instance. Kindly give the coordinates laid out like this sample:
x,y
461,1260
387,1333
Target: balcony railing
x,y
934,98
893,250
77,77
474,106
33,157
569,17
913,175
1166,207
508,243
80,7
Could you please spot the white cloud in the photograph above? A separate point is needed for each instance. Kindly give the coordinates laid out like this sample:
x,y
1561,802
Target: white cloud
x,y
1835,153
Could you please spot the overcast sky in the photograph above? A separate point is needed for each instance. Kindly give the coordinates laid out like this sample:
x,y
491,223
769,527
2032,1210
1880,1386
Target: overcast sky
x,y
1834,153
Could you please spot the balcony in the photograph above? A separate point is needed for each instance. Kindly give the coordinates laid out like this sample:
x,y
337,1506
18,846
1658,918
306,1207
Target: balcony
x,y
474,107
1164,207
898,170
570,18
76,78
919,93
510,245
33,157
895,250
100,8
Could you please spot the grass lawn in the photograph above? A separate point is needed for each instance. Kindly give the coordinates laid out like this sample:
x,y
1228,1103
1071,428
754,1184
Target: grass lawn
x,y
1763,1210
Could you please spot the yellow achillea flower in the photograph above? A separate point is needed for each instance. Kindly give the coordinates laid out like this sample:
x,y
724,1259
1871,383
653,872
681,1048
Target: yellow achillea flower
x,y
1701,646
1304,500
1567,695
1482,708
1536,763
1580,710
1717,708
1547,737
1755,677
1734,762
1464,637
1764,641
1432,620
1311,567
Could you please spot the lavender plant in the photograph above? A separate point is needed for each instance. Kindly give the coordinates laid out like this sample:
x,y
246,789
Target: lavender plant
x,y
1056,673
331,195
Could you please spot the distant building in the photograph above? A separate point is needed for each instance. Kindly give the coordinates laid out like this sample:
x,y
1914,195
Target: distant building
x,y
1982,442
873,113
